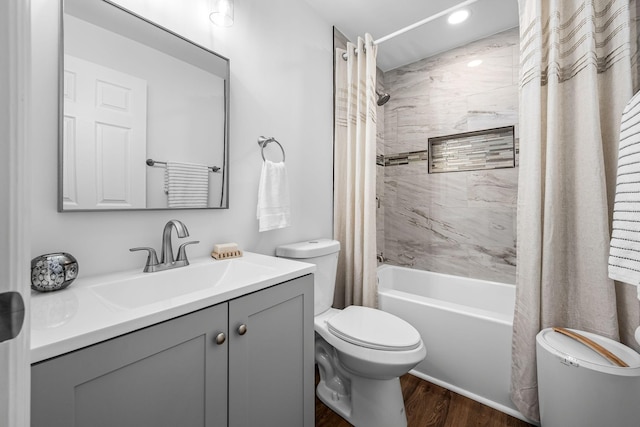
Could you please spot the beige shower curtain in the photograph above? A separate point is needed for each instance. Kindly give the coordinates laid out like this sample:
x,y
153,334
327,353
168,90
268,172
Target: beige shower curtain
x,y
575,80
354,209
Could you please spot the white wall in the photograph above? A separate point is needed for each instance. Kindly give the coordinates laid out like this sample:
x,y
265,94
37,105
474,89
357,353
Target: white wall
x,y
281,85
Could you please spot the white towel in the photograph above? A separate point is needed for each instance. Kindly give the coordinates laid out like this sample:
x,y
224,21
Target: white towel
x,y
273,197
624,253
186,185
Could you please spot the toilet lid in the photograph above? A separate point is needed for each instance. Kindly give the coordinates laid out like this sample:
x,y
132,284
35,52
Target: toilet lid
x,y
375,329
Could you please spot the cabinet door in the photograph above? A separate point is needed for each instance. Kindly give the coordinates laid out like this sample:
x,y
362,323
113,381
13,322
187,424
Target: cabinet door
x,y
170,374
271,364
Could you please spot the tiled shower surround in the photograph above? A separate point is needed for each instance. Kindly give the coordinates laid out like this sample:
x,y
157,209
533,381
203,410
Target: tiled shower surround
x,y
461,223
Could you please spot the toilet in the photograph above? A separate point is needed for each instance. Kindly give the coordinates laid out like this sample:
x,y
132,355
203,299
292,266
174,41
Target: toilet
x,y
361,352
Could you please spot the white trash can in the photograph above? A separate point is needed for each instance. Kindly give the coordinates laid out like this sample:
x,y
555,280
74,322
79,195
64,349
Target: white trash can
x,y
577,387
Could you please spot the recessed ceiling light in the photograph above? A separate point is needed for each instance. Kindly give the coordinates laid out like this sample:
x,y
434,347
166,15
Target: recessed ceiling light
x,y
474,63
458,16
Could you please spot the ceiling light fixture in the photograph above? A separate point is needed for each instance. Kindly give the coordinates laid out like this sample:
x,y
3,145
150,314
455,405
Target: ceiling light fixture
x,y
458,16
222,13
474,63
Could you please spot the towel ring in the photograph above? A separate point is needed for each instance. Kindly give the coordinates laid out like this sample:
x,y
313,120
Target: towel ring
x,y
263,141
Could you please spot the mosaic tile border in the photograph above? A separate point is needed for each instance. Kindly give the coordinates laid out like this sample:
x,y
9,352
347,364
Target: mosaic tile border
x,y
406,158
477,150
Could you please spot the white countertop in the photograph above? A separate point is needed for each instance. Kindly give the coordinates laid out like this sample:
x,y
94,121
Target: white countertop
x,y
95,309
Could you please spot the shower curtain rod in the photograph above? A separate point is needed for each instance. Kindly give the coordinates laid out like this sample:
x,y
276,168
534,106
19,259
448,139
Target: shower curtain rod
x,y
424,21
418,24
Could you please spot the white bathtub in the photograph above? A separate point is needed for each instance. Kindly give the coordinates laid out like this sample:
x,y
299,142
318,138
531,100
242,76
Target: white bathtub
x,y
466,325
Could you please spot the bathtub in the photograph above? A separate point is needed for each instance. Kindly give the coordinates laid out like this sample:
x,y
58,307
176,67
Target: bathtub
x,y
466,325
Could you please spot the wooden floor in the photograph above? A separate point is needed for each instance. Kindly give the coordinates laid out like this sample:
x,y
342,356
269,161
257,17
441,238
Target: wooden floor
x,y
429,405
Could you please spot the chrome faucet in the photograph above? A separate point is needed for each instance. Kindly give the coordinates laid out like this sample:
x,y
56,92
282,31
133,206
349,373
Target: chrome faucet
x,y
167,260
166,256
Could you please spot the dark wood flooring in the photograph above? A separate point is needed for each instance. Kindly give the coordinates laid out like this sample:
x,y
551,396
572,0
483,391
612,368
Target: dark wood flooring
x,y
429,405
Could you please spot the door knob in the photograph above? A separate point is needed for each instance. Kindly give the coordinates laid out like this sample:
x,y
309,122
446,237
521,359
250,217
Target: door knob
x,y
11,315
242,329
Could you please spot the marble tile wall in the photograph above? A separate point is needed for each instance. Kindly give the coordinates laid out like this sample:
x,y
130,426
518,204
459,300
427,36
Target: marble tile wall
x,y
461,223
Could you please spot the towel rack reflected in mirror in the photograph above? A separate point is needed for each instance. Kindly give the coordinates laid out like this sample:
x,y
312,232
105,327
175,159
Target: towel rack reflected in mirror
x,y
263,141
151,162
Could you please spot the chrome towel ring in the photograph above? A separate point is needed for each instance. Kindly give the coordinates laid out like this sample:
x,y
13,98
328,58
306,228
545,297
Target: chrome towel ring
x,y
263,141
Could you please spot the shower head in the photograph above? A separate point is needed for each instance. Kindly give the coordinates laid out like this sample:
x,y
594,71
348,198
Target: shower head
x,y
382,98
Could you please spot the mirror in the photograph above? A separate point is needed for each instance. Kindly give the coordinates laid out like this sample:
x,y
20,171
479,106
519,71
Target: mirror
x,y
143,114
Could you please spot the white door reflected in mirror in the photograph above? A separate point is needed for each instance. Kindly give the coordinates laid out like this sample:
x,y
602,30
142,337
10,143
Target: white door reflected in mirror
x,y
104,137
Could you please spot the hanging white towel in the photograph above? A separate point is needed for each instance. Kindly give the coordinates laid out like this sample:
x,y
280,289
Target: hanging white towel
x,y
186,185
273,197
624,253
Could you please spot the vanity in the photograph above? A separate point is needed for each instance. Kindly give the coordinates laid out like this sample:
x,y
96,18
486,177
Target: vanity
x,y
216,343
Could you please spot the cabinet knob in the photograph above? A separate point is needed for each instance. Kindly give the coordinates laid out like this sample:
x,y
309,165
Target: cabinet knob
x,y
220,338
242,329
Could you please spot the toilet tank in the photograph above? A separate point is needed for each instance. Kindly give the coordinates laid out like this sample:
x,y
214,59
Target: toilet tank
x,y
324,254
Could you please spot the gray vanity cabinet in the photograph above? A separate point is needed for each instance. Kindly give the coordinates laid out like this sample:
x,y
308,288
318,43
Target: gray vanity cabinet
x,y
156,376
178,373
271,365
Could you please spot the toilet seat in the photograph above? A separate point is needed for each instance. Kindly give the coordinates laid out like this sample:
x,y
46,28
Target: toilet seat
x,y
373,329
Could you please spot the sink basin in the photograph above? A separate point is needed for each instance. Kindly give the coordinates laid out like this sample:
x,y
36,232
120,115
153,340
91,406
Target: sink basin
x,y
166,286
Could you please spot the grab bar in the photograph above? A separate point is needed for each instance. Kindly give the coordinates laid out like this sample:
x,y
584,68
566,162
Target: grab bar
x,y
263,141
151,162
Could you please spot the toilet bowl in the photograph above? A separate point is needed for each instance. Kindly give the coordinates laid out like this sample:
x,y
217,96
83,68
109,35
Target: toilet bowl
x,y
371,342
361,352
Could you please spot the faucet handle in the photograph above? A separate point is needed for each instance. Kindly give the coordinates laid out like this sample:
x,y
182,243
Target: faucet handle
x,y
152,258
182,252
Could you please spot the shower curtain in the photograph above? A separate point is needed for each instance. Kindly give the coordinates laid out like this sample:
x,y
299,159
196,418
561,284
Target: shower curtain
x,y
354,209
575,81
